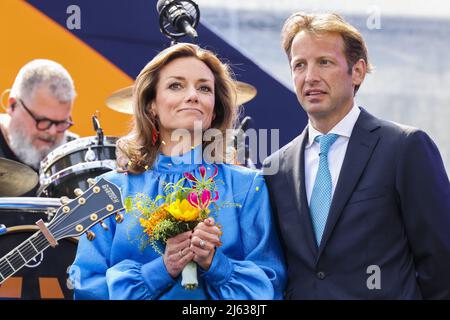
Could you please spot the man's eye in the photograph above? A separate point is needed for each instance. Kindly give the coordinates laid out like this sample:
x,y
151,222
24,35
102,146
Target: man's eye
x,y
299,65
325,62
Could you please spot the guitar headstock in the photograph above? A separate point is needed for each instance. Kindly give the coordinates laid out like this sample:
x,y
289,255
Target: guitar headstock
x,y
77,216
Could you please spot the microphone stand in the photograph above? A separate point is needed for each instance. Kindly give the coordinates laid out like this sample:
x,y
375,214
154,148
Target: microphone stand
x,y
166,7
239,142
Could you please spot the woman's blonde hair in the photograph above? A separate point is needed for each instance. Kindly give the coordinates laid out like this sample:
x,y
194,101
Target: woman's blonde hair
x,y
137,151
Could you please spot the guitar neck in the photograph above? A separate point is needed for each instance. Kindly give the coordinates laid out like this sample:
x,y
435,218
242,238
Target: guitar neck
x,y
21,255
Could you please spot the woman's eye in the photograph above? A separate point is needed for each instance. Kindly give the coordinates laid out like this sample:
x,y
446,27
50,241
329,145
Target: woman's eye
x,y
205,89
175,85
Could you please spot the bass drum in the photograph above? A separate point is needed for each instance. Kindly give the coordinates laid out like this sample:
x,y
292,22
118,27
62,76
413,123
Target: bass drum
x,y
69,166
45,277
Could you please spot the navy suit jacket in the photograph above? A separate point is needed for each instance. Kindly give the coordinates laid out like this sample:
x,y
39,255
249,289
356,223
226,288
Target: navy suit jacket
x,y
390,209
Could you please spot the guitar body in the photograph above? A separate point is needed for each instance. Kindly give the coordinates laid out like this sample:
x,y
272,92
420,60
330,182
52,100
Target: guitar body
x,y
48,280
43,278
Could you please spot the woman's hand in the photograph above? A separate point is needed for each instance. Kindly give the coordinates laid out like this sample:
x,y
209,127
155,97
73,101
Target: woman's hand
x,y
204,241
177,253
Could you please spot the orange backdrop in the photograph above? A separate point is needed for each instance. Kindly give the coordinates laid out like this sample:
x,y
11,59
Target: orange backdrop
x,y
28,34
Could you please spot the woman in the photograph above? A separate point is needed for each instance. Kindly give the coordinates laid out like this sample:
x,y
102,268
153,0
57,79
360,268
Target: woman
x,y
184,88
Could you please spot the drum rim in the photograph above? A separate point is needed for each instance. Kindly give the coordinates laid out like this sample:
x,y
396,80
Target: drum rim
x,y
28,203
80,144
77,168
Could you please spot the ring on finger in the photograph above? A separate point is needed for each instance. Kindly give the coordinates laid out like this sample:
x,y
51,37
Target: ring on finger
x,y
202,243
181,253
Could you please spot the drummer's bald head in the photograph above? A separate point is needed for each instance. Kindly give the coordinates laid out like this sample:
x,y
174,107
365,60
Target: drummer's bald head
x,y
42,72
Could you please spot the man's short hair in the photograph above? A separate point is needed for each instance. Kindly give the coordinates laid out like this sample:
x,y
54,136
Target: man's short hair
x,y
354,45
43,72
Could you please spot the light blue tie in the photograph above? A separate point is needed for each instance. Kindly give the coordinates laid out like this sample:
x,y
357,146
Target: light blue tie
x,y
321,195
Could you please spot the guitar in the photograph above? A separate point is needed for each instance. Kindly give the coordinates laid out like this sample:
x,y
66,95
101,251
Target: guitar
x,y
72,219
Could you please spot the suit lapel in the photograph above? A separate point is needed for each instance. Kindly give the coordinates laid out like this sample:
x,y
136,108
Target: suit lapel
x,y
294,170
359,150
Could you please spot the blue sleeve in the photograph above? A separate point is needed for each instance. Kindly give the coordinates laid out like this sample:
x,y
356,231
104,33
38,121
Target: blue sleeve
x,y
130,280
261,274
87,273
93,276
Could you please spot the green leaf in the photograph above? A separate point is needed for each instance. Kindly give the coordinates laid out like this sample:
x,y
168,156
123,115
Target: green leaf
x,y
128,204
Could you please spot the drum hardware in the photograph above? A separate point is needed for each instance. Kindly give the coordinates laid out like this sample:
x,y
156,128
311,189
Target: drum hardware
x,y
69,166
16,178
122,100
90,155
51,213
26,210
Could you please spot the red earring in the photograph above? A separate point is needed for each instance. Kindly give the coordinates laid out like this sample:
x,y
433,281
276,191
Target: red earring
x,y
154,137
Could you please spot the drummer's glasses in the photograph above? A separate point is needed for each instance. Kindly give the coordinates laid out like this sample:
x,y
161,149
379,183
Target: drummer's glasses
x,y
45,124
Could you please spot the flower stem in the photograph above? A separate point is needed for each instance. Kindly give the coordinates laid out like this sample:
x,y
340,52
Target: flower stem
x,y
189,276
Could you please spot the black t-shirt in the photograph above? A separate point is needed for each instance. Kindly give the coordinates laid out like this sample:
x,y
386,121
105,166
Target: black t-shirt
x,y
6,152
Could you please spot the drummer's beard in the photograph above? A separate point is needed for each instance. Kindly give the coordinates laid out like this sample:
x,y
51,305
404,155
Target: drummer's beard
x,y
24,149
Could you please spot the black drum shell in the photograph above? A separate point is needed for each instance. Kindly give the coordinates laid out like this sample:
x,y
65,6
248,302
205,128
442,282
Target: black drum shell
x,y
101,152
69,166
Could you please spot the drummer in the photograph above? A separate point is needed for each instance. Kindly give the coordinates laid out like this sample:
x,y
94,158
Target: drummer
x,y
38,114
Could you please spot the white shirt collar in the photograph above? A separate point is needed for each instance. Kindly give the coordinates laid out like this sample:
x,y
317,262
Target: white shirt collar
x,y
342,128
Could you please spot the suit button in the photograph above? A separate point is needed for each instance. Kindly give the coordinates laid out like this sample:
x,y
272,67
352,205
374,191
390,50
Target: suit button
x,y
321,275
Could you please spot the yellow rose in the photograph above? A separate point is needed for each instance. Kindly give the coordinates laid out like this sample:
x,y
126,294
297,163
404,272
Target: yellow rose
x,y
183,210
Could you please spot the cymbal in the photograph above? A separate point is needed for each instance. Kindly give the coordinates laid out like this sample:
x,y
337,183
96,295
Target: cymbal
x,y
245,92
121,100
16,178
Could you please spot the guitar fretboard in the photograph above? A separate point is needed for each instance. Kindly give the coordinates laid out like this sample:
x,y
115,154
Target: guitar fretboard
x,y
22,254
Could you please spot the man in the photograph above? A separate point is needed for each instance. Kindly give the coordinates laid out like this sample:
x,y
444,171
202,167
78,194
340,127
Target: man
x,y
362,204
38,113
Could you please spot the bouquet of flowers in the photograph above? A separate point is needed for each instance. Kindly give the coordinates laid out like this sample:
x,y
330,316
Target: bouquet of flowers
x,y
178,210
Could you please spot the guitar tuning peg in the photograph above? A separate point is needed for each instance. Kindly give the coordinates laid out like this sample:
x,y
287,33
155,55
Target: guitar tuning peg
x,y
91,182
90,235
78,192
64,200
119,217
104,225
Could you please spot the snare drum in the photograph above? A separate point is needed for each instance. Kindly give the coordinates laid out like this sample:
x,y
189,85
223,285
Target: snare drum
x,y
26,210
44,277
69,166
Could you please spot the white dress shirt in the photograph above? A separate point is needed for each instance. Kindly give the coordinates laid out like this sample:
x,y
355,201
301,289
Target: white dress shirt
x,y
336,152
